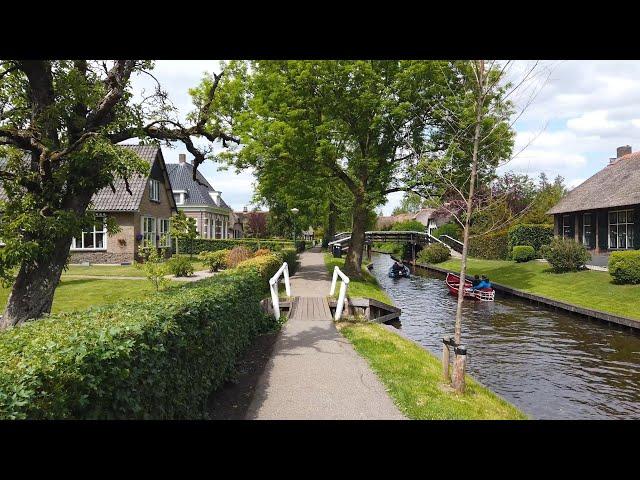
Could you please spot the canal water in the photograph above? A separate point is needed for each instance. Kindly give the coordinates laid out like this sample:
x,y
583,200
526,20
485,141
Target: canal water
x,y
549,364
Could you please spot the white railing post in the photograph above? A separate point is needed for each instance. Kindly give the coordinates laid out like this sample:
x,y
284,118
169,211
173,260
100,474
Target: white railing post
x,y
343,290
273,286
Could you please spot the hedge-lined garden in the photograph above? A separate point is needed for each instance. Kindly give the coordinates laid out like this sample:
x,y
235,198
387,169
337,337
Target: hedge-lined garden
x,y
159,358
200,245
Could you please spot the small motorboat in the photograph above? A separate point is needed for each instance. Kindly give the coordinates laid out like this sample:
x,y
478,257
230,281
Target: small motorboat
x,y
402,273
484,294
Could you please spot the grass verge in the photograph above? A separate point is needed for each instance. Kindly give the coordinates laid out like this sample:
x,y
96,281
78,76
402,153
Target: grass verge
x,y
367,287
589,288
412,376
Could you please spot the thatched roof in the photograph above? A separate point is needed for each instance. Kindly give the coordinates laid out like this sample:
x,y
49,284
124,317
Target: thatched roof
x,y
616,185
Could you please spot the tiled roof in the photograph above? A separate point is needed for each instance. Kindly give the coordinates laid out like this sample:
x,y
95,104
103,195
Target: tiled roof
x,y
616,185
106,200
181,177
121,201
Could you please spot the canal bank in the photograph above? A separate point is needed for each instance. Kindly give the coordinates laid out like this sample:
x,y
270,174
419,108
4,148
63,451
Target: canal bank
x,y
411,373
541,360
548,302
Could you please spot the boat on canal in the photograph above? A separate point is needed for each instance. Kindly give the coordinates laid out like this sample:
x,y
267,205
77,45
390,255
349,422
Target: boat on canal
x,y
483,294
402,273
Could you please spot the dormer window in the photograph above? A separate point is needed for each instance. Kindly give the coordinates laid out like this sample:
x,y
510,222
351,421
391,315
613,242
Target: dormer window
x,y
154,190
179,196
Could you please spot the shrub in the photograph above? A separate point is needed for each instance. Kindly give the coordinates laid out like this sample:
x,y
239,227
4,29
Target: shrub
x,y
151,359
565,255
261,251
434,253
237,255
624,267
452,229
265,265
490,247
180,266
534,235
214,260
154,268
290,256
523,253
200,245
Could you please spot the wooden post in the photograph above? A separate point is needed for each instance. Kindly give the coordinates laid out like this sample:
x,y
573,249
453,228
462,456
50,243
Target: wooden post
x,y
446,355
413,253
597,233
459,365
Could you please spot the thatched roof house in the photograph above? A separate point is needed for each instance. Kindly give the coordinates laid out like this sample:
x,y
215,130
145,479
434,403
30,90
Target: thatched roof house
x,y
604,211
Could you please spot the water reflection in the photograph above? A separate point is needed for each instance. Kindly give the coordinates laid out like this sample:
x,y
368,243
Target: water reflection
x,y
550,364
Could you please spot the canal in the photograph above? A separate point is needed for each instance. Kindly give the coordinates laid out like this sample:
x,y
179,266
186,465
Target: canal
x,y
549,364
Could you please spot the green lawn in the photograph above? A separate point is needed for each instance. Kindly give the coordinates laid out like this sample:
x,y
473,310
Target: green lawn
x,y
116,270
78,293
368,287
413,377
589,289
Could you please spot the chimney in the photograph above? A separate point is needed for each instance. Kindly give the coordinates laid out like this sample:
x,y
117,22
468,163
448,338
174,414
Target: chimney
x,y
620,152
182,158
245,209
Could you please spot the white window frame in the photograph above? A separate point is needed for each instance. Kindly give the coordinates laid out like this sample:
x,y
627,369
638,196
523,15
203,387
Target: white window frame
x,y
566,226
584,227
162,231
150,221
628,229
181,195
93,232
154,190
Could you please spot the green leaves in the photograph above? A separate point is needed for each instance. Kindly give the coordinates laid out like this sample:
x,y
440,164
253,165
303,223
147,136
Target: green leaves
x,y
159,358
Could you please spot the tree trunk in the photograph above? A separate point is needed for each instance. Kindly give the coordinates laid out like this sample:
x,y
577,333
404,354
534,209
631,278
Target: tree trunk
x,y
472,180
32,293
331,224
353,263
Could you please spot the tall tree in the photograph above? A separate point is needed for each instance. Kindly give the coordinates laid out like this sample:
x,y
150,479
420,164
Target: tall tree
x,y
60,123
337,123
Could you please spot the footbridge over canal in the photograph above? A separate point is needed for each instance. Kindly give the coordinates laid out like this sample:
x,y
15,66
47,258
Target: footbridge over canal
x,y
413,238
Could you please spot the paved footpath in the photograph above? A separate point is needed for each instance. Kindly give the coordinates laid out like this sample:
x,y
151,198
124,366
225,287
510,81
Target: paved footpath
x,y
314,372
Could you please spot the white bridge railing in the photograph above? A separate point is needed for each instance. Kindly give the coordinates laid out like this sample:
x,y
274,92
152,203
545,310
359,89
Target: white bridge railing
x,y
273,286
343,290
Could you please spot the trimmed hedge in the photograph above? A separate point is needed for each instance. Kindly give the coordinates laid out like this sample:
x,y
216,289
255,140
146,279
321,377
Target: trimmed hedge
x,y
565,255
523,253
290,256
490,247
434,253
155,359
265,265
534,235
624,267
452,229
200,245
214,260
180,266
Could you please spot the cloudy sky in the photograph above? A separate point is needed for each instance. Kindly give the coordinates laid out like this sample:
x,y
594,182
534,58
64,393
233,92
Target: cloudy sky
x,y
584,110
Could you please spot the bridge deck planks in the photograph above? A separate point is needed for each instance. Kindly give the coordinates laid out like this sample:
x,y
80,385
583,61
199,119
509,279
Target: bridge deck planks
x,y
310,308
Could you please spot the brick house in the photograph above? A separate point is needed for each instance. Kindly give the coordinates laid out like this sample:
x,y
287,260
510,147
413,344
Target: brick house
x,y
603,212
142,215
199,200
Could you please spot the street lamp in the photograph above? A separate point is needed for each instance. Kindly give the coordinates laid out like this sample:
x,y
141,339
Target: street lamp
x,y
295,213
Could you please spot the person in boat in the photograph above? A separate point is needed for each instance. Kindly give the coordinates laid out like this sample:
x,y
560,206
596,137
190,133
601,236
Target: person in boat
x,y
397,268
484,283
476,280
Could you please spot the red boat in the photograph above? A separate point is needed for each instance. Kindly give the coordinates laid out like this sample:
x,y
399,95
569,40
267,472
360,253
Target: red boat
x,y
484,294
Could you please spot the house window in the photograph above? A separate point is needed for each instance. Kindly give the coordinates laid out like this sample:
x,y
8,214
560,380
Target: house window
x,y
163,232
621,229
566,226
149,231
154,190
206,233
92,239
178,198
587,230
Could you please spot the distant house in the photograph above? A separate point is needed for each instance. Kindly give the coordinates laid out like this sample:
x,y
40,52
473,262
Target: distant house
x,y
199,200
241,222
429,217
603,212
